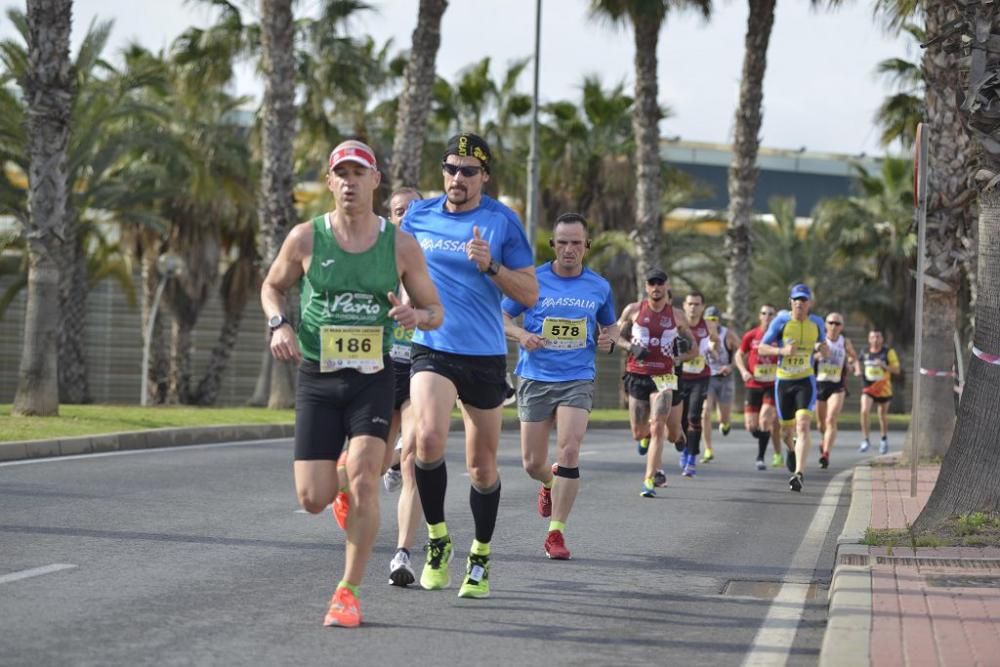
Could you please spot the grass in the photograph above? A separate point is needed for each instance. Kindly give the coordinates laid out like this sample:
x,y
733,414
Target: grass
x,y
976,529
76,420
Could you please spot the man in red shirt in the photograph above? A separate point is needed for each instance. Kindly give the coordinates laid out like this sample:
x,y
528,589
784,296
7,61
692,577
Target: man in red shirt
x,y
758,374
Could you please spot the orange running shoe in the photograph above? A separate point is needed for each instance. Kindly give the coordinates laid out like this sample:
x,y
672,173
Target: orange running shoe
x,y
341,506
344,610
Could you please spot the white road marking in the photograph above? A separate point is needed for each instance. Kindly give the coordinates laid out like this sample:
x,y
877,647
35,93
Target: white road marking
x,y
35,572
774,640
130,452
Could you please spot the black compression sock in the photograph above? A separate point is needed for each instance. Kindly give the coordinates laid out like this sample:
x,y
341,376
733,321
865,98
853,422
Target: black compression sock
x,y
432,482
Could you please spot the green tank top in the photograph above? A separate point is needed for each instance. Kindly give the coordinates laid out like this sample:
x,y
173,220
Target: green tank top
x,y
344,302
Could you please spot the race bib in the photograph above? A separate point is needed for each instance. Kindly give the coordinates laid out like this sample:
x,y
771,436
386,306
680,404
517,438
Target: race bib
x,y
874,373
401,344
693,366
795,363
765,372
564,334
665,382
343,347
829,372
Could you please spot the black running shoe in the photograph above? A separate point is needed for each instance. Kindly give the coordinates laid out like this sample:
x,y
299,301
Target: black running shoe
x,y
795,483
824,461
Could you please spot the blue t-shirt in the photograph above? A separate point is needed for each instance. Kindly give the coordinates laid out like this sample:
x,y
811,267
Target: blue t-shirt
x,y
473,323
566,315
802,336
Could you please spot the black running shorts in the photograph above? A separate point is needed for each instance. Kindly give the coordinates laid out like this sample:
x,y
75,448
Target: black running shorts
x,y
401,373
755,397
824,390
641,387
795,396
481,381
331,408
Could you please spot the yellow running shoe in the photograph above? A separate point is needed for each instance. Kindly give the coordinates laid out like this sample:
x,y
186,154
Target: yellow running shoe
x,y
435,573
477,577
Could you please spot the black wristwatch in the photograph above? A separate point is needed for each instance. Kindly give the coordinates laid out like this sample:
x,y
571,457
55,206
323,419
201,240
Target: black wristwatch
x,y
276,322
493,268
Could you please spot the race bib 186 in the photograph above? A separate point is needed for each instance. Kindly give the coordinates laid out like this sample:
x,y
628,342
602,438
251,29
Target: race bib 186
x,y
357,347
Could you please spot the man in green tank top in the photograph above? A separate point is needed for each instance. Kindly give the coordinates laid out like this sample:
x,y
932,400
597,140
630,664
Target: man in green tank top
x,y
348,264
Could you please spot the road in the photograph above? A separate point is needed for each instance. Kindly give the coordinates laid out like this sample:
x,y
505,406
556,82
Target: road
x,y
198,555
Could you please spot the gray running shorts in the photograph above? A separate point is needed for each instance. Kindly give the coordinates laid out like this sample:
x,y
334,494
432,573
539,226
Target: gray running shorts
x,y
537,401
721,388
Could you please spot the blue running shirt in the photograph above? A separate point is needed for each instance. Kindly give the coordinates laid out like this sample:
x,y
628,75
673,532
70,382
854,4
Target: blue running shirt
x,y
567,315
473,323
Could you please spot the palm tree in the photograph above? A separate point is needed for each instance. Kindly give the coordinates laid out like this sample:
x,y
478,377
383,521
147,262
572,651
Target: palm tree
x,y
49,91
901,112
968,481
646,17
276,209
415,101
950,220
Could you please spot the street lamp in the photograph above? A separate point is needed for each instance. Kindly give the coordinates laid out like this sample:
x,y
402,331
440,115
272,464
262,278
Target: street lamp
x,y
169,265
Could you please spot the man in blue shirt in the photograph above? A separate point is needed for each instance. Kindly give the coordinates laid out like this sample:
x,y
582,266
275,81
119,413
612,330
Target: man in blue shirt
x,y
476,253
574,316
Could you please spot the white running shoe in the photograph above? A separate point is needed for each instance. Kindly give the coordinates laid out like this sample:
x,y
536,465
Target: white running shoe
x,y
865,445
883,446
392,479
400,571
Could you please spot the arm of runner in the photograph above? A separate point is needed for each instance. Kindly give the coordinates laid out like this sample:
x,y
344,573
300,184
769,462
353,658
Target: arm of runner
x,y
624,327
852,357
522,337
607,337
284,273
684,329
521,285
423,309
741,364
893,365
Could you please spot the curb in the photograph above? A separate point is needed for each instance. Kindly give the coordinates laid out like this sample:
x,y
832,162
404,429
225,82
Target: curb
x,y
847,639
181,437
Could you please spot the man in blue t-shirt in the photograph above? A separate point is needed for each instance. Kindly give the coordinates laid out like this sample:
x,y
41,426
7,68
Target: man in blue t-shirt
x,y
574,316
476,253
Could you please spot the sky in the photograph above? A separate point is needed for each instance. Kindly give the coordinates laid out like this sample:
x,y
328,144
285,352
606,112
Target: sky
x,y
820,91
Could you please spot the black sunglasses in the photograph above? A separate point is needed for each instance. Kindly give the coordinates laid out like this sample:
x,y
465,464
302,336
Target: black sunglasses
x,y
453,169
800,298
656,281
835,323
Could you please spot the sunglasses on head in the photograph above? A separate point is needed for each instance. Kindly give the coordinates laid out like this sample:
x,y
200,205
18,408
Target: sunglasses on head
x,y
656,281
835,323
453,169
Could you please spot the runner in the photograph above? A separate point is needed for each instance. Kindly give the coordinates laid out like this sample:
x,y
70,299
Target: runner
x,y
476,252
831,382
556,365
796,336
349,263
659,333
880,364
695,376
758,373
400,472
721,385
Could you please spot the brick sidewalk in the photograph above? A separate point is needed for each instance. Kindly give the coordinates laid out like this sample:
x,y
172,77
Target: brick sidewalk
x,y
929,606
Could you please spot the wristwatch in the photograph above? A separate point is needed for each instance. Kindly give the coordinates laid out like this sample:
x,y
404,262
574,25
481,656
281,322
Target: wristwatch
x,y
276,321
493,268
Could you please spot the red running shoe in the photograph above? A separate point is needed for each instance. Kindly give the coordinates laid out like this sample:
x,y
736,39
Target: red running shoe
x,y
555,547
545,502
341,506
344,610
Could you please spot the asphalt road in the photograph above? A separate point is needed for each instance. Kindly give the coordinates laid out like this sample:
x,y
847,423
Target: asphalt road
x,y
198,556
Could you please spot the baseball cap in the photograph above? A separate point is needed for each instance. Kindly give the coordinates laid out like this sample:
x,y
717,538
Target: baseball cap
x,y
800,290
353,151
656,274
712,313
468,144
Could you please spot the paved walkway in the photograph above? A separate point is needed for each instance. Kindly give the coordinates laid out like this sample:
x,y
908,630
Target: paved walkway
x,y
906,606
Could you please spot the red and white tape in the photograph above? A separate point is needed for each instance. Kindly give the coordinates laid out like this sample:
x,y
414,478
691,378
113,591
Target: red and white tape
x,y
937,374
988,358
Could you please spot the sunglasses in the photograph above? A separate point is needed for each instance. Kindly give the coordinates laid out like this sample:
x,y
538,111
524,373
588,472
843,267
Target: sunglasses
x,y
800,298
453,169
656,281
835,323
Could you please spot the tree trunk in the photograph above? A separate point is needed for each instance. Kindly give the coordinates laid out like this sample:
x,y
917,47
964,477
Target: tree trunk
x,y
262,387
157,376
74,286
49,92
743,169
648,233
180,362
968,481
415,102
276,210
950,154
207,392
